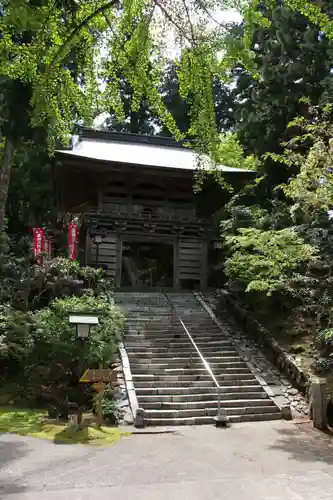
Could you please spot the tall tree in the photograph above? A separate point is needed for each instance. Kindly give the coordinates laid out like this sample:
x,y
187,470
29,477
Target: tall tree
x,y
181,108
293,59
138,121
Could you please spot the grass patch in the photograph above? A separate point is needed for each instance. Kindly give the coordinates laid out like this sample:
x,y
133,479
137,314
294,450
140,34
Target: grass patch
x,y
32,423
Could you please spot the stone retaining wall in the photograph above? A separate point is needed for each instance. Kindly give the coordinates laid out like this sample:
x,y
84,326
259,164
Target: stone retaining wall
x,y
278,356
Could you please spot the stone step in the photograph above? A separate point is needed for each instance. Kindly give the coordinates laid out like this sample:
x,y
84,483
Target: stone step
x,y
152,332
137,367
193,358
178,383
182,341
137,344
210,420
233,403
148,357
204,375
163,319
229,379
174,347
203,397
147,350
223,381
181,337
196,390
182,355
210,412
179,371
184,363
236,374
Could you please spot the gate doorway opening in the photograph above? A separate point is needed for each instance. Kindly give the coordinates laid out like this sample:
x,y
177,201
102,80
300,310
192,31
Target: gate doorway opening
x,y
147,264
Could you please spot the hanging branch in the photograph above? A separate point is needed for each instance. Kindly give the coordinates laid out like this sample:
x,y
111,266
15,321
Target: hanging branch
x,y
190,22
80,26
171,20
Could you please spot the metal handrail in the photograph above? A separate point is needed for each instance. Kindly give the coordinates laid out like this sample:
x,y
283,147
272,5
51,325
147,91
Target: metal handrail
x,y
221,413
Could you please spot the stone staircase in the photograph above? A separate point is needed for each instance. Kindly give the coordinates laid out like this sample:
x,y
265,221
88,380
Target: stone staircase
x,y
171,383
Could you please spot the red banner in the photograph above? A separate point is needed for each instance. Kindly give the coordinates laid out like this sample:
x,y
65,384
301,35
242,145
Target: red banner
x,y
39,242
73,233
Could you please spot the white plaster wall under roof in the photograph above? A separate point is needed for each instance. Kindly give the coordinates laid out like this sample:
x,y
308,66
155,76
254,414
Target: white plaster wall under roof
x,y
151,155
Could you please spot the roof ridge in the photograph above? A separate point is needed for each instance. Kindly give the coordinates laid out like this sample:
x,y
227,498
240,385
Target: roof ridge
x,y
157,140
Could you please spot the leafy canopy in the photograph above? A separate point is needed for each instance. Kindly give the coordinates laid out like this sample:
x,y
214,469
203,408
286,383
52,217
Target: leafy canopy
x,y
65,49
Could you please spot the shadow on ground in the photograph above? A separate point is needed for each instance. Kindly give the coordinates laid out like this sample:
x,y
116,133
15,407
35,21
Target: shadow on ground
x,y
305,444
10,451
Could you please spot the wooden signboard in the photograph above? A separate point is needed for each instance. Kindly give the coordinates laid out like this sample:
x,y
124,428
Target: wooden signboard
x,y
102,375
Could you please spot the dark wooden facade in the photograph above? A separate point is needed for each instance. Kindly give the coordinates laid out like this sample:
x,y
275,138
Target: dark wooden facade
x,y
154,233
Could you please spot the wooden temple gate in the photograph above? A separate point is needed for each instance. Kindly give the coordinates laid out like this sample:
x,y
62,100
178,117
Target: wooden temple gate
x,y
124,225
142,221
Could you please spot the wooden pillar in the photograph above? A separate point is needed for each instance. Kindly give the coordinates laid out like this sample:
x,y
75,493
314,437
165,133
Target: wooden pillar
x,y
204,264
119,259
176,280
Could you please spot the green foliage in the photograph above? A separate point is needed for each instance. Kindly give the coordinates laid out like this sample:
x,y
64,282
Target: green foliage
x,y
28,287
39,351
52,326
28,422
111,412
231,153
310,152
319,15
56,60
283,244
263,260
323,364
242,216
15,334
43,356
290,53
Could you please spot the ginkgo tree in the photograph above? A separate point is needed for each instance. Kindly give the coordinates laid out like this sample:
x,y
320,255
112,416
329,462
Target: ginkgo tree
x,y
54,55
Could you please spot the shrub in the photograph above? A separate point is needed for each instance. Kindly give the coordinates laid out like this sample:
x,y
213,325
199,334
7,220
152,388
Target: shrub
x,y
40,285
52,365
28,286
111,412
264,260
324,342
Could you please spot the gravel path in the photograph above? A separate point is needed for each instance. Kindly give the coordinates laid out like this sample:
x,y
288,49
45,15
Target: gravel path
x,y
256,461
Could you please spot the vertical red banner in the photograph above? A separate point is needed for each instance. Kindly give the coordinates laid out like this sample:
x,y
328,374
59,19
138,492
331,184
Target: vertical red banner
x,y
39,243
73,233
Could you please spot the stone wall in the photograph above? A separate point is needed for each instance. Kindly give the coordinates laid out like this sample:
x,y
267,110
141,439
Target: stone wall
x,y
121,397
273,351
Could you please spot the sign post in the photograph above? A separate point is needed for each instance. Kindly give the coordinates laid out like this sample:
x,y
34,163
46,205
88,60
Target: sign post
x,y
92,376
99,378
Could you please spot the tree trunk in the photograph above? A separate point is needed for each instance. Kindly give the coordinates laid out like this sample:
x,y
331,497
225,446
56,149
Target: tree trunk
x,y
5,167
